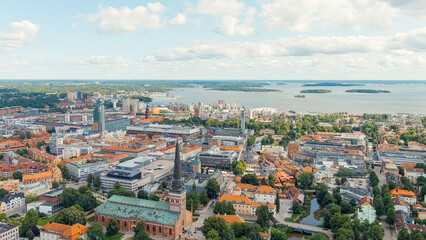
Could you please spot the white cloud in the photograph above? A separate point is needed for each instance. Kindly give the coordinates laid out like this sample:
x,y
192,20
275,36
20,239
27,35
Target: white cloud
x,y
127,20
180,19
414,41
24,31
220,7
229,11
107,60
411,8
100,60
21,63
230,26
304,15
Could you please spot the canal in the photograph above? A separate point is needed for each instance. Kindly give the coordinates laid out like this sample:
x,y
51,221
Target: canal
x,y
297,236
314,217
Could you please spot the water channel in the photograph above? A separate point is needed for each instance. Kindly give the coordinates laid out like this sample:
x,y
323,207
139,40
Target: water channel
x,y
314,216
313,219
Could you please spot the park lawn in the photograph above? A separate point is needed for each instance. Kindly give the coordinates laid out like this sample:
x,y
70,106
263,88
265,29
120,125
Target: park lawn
x,y
293,217
45,220
115,237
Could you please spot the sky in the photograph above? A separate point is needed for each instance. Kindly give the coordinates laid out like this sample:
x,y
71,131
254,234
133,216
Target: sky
x,y
213,39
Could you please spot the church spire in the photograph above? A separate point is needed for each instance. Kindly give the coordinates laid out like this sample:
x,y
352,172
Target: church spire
x,y
177,183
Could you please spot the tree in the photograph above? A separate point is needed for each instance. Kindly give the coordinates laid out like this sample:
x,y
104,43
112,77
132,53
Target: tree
x,y
218,224
376,232
31,198
417,235
297,209
277,202
251,140
142,236
346,207
142,194
403,234
212,188
263,215
83,189
55,184
71,216
164,185
3,192
140,227
305,180
379,206
17,175
213,235
204,198
30,220
153,197
95,232
29,234
374,180
263,181
317,236
328,212
112,227
376,191
89,180
3,216
250,179
390,215
97,182
192,200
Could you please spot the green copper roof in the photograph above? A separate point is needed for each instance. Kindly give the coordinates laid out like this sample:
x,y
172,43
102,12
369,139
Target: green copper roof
x,y
120,210
139,202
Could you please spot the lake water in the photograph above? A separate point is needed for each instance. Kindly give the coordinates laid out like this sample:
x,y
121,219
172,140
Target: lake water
x,y
297,236
315,214
403,98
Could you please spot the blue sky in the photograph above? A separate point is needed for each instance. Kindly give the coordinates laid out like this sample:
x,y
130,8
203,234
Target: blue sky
x,y
213,39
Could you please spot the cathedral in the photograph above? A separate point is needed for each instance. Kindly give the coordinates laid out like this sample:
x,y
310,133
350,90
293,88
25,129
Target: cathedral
x,y
163,219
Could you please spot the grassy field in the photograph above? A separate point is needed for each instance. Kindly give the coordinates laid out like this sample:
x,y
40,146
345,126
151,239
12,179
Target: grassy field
x,y
115,237
45,220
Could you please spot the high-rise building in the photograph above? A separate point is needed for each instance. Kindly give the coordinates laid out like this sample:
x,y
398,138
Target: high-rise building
x,y
147,112
55,141
99,117
243,120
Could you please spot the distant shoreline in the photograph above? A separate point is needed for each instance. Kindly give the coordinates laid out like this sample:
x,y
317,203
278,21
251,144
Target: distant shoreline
x,y
367,91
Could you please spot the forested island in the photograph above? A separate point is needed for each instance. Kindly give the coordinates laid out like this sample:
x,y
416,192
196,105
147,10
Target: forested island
x,y
367,91
315,91
332,84
239,86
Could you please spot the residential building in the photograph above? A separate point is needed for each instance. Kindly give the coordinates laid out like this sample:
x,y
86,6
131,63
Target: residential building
x,y
54,230
83,170
242,204
265,194
231,219
349,193
413,173
406,195
9,231
12,203
215,157
367,212
48,203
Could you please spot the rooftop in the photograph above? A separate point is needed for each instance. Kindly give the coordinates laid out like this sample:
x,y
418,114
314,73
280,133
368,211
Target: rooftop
x,y
140,209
